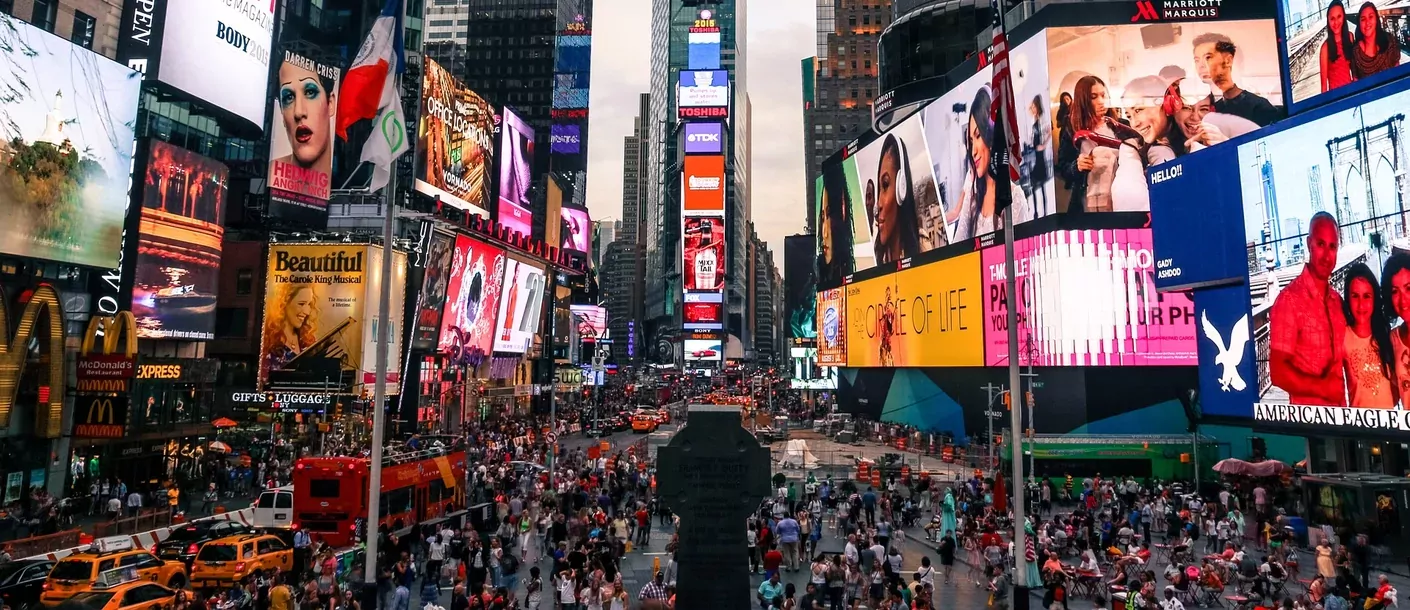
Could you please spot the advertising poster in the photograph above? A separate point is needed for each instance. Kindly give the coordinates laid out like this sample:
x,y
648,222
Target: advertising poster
x,y
702,315
704,138
807,375
1086,298
565,139
1097,106
1228,382
799,291
1341,47
838,225
591,321
576,229
704,250
704,186
703,89
435,280
1198,245
897,191
455,147
178,244
369,331
703,50
313,310
1324,211
832,328
703,349
516,173
55,210
960,135
229,40
520,306
923,316
472,299
301,142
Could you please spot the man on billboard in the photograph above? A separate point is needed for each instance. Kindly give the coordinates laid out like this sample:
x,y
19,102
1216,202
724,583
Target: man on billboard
x,y
1214,59
306,106
1307,326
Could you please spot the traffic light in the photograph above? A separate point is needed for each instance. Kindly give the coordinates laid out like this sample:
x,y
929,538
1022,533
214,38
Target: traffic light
x,y
1008,401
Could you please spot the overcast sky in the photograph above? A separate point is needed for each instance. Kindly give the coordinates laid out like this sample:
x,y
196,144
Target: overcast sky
x,y
780,35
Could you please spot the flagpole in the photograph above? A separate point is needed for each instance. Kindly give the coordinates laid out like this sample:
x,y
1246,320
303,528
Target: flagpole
x,y
379,395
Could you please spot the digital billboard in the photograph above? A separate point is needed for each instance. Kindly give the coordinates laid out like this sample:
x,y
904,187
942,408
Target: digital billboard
x,y
799,291
520,306
516,173
703,186
211,37
704,249
1160,92
1198,244
591,321
1333,48
924,316
959,136
703,89
703,50
704,349
1086,298
832,328
576,230
301,143
455,148
53,209
704,138
472,300
841,223
179,244
807,375
902,216
565,139
435,279
702,315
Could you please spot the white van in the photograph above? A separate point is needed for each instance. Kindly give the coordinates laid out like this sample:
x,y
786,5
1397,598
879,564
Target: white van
x,y
275,508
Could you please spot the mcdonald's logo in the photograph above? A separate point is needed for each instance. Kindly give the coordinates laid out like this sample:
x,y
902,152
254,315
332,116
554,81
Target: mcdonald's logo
x,y
108,372
100,409
110,330
101,417
48,416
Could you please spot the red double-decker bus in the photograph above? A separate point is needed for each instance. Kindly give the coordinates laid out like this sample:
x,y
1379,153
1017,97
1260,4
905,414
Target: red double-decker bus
x,y
330,493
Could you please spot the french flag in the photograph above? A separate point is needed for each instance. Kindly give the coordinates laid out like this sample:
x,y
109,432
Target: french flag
x,y
372,90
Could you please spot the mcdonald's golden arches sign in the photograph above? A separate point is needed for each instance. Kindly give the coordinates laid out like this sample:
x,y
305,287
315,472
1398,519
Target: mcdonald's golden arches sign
x,y
49,408
105,378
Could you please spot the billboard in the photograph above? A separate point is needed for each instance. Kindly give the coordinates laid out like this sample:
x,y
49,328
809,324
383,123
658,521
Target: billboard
x,y
1086,298
435,279
472,299
56,210
703,185
591,321
832,328
520,306
1198,245
1104,105
901,208
516,173
837,228
576,229
301,142
807,375
455,147
703,89
923,316
704,249
179,244
703,50
799,291
959,201
1333,48
212,37
704,138
315,311
702,315
704,349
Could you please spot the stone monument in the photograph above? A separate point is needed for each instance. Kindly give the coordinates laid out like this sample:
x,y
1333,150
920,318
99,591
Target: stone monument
x,y
713,474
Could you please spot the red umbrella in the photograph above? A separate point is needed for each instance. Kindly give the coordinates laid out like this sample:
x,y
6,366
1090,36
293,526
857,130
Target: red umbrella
x,y
219,447
225,422
1001,495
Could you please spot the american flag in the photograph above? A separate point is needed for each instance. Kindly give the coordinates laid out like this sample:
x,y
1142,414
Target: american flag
x,y
1001,112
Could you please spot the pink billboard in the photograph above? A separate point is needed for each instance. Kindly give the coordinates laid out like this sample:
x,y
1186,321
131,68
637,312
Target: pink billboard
x,y
1088,299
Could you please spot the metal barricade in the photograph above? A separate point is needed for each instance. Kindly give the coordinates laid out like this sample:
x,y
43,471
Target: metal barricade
x,y
40,545
146,520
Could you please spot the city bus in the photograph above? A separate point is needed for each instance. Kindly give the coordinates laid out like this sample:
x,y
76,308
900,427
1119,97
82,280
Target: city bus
x,y
330,493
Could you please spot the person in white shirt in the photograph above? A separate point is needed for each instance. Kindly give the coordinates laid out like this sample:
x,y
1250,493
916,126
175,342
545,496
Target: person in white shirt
x,y
850,551
1171,602
926,572
114,508
134,503
435,557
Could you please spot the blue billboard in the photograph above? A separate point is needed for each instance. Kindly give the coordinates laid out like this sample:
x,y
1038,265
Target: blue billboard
x,y
1197,220
1228,382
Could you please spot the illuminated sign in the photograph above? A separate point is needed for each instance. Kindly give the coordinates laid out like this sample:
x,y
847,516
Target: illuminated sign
x,y
704,113
103,416
14,352
159,371
705,20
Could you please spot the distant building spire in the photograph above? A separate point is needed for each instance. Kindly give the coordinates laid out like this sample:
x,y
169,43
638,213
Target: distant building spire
x,y
54,123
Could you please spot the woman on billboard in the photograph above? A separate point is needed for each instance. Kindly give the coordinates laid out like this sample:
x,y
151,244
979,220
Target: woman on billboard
x,y
1336,49
306,105
977,213
896,234
1395,300
291,325
1089,160
1376,49
835,232
1370,361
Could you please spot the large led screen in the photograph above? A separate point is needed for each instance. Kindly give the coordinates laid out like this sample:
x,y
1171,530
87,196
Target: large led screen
x,y
841,223
1086,298
703,185
799,291
704,138
703,50
455,148
576,230
702,315
832,328
179,244
591,321
807,375
1222,81
516,173
902,208
703,89
435,279
472,300
520,306
960,134
1333,48
703,349
218,51
924,316
301,143
71,113
704,250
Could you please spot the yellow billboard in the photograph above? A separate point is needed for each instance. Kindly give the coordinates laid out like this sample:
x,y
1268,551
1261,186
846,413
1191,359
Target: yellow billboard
x,y
924,316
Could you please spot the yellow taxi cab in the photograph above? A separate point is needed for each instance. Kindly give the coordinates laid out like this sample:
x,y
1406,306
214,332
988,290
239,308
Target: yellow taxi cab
x,y
644,421
124,589
79,572
231,559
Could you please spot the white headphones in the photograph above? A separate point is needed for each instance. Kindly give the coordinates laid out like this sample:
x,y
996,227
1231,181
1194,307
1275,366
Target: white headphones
x,y
903,175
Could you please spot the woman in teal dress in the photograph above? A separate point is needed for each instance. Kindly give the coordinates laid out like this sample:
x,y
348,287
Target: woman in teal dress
x,y
947,514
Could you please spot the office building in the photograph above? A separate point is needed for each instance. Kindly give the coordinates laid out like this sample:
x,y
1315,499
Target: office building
x,y
91,24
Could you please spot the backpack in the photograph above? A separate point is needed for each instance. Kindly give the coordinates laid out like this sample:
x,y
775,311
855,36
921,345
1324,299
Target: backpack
x,y
509,563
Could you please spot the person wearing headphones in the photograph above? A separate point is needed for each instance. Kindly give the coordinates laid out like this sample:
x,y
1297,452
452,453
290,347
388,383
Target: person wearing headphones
x,y
897,236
